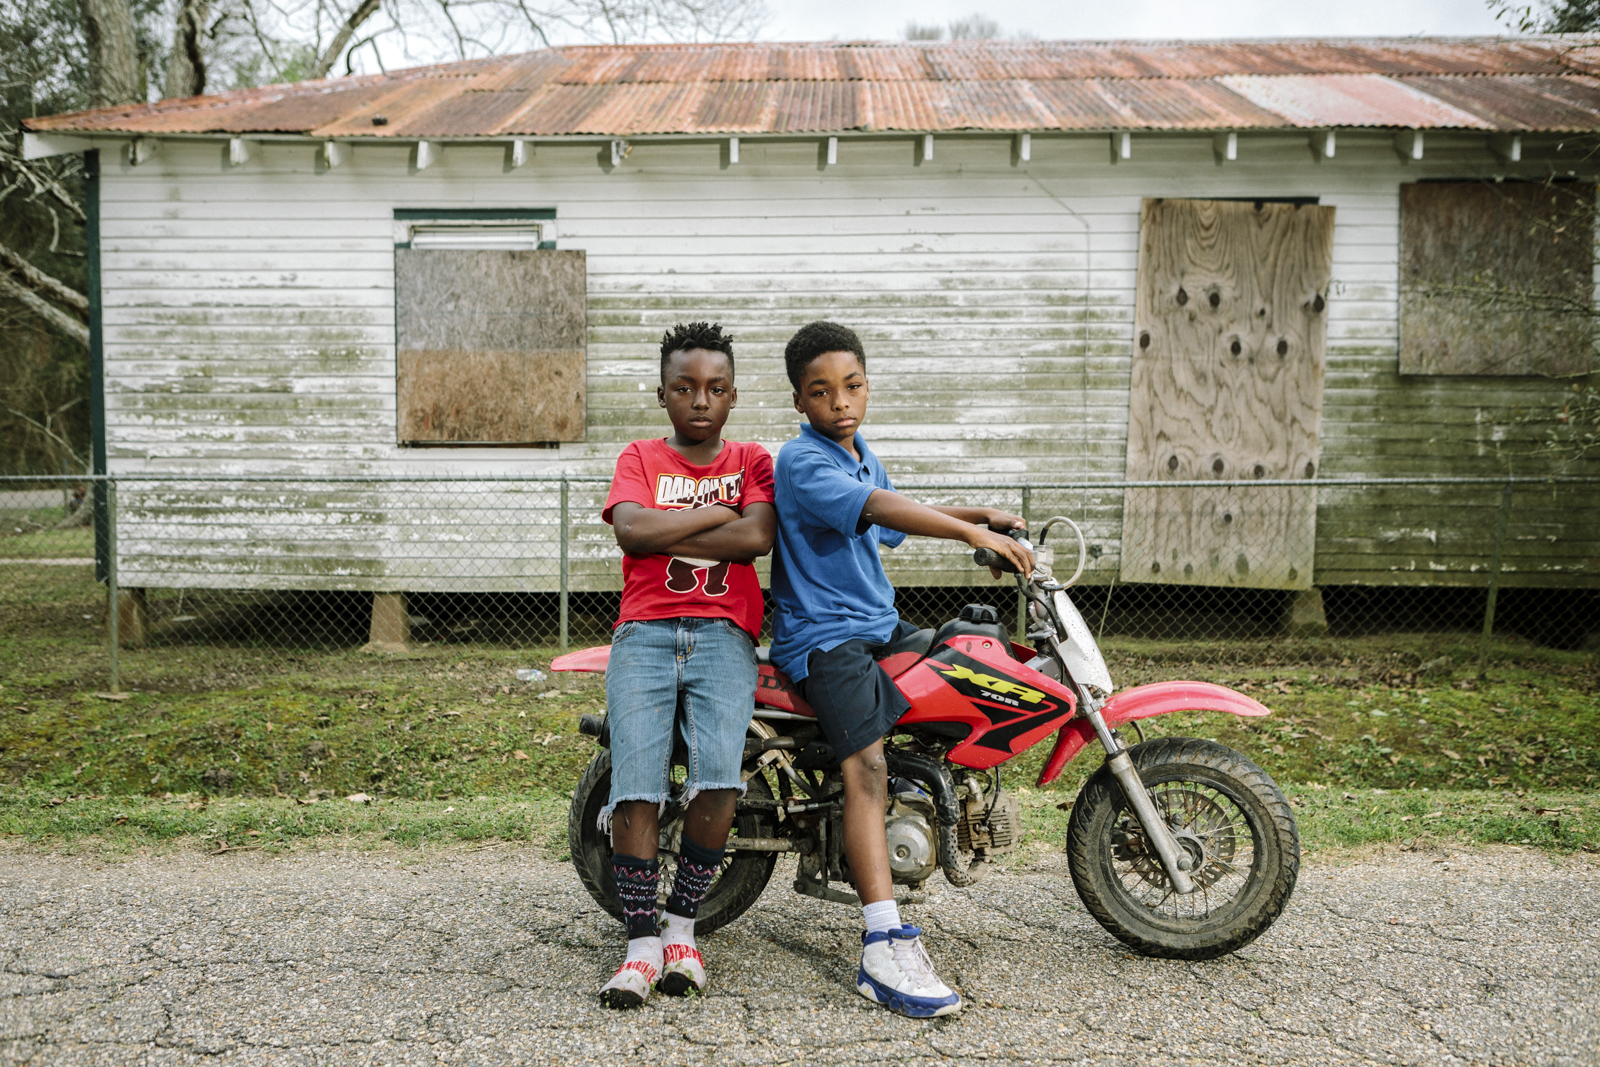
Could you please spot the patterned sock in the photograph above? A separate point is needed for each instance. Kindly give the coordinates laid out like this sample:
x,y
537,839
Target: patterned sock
x,y
682,967
697,865
636,889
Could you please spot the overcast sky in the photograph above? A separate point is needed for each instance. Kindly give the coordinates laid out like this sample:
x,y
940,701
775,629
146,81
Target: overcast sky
x,y
822,20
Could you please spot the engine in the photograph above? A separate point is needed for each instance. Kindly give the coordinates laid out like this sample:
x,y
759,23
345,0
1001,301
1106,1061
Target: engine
x,y
993,824
913,843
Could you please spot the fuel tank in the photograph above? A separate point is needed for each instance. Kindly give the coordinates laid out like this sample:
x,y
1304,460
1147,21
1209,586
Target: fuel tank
x,y
976,682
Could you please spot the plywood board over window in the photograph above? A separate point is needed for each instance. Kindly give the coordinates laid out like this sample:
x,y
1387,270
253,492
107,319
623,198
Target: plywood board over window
x,y
491,346
1230,330
1496,278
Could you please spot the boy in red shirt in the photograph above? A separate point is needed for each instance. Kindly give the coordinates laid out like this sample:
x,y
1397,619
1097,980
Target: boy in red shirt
x,y
691,513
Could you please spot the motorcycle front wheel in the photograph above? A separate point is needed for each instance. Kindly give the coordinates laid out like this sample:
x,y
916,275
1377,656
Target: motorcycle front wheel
x,y
733,890
1225,812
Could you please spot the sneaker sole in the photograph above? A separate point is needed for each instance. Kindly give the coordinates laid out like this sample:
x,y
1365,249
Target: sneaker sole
x,y
620,998
902,1005
677,984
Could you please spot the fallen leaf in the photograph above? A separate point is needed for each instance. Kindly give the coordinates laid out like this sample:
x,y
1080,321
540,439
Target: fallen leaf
x,y
269,727
519,754
449,810
112,696
309,800
1548,811
119,820
359,798
252,833
1452,755
1433,815
1407,818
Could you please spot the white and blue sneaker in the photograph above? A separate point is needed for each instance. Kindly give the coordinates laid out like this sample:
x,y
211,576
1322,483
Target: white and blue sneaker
x,y
896,972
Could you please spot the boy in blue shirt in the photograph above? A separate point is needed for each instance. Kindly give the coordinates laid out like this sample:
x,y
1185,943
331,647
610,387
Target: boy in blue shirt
x,y
833,607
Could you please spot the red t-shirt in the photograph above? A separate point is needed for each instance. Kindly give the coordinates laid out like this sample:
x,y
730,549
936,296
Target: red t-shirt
x,y
651,473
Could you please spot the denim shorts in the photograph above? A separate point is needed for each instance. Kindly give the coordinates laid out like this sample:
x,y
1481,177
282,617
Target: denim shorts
x,y
698,675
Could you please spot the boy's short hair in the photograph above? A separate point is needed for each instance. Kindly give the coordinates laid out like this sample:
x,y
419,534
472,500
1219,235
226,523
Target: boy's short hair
x,y
706,335
815,339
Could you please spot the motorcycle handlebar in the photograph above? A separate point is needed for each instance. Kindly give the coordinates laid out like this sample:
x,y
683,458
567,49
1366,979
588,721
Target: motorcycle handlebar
x,y
988,557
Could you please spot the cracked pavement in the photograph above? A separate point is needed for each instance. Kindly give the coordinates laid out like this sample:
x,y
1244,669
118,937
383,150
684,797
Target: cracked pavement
x,y
493,956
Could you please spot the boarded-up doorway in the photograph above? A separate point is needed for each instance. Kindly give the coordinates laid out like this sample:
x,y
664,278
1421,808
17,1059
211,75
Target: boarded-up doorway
x,y
491,346
1230,329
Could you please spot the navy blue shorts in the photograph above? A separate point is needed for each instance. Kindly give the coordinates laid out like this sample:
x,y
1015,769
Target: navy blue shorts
x,y
856,702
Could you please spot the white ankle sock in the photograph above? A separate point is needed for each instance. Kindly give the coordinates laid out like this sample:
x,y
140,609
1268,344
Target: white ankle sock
x,y
882,915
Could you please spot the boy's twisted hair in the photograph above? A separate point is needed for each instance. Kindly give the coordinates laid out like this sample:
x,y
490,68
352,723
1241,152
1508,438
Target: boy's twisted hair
x,y
706,335
815,339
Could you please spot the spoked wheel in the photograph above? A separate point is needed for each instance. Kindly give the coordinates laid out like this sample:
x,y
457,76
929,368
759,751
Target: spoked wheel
x,y
735,888
1230,818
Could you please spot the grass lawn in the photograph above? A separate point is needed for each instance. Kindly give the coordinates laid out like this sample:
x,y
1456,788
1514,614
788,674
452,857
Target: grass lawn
x,y
1376,739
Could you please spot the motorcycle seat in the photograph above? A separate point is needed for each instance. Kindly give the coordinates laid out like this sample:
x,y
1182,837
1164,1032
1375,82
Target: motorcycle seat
x,y
918,642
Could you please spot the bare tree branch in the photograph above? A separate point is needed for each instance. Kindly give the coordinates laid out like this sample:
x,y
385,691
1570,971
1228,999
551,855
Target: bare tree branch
x,y
342,38
41,181
48,432
68,325
40,280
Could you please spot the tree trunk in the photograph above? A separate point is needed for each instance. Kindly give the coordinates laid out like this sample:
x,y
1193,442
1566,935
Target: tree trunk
x,y
113,52
342,38
186,66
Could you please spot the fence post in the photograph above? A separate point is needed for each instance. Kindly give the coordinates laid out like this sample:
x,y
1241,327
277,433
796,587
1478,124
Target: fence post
x,y
1494,580
564,565
1022,601
113,600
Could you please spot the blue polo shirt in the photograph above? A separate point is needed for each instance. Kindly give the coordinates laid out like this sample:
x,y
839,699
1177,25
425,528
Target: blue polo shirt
x,y
828,584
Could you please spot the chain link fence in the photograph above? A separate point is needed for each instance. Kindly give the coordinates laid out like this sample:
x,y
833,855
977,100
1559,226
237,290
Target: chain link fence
x,y
488,564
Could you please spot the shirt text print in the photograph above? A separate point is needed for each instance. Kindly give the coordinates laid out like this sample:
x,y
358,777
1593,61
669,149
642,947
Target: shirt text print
x,y
676,491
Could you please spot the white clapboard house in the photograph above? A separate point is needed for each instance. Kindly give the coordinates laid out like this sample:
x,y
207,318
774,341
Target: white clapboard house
x,y
1068,260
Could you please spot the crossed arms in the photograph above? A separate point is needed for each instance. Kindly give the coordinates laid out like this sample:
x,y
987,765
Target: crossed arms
x,y
715,532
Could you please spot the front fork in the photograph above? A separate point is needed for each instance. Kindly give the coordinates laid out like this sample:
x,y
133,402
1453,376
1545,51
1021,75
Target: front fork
x,y
1174,860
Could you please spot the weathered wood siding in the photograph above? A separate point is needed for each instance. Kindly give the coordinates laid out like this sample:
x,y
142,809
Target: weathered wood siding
x,y
250,326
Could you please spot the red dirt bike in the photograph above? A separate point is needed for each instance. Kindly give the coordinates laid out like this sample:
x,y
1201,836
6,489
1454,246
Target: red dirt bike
x,y
1180,847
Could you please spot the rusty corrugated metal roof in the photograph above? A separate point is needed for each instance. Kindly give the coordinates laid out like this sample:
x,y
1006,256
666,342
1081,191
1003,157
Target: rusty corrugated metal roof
x,y
1529,83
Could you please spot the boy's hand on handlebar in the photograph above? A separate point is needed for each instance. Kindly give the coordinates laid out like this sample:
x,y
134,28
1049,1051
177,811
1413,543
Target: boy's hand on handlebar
x,y
1003,521
1016,554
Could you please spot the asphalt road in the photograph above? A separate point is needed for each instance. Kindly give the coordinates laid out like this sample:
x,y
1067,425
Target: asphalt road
x,y
493,957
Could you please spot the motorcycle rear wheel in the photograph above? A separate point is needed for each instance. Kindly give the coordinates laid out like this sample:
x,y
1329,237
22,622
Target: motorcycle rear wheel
x,y
1231,818
736,887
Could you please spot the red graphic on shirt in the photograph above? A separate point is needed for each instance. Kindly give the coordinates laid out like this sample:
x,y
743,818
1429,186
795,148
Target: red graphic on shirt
x,y
683,576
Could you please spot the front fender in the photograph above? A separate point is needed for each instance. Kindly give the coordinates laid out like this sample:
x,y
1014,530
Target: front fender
x,y
1142,702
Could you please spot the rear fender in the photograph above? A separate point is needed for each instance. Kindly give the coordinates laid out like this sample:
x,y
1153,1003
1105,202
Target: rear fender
x,y
1143,702
588,659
